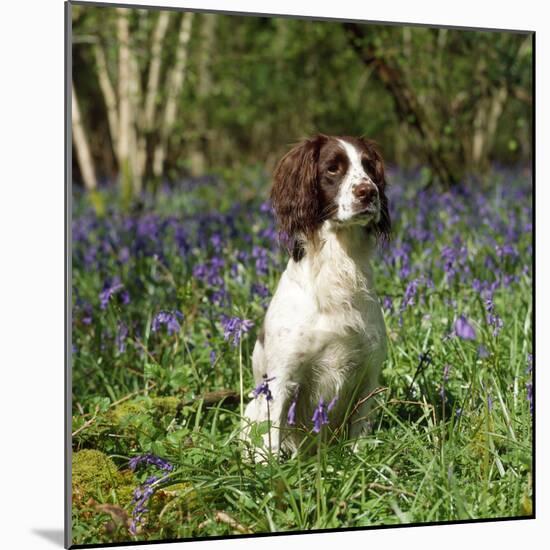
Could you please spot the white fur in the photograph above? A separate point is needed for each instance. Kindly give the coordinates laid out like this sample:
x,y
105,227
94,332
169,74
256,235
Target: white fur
x,y
324,337
355,174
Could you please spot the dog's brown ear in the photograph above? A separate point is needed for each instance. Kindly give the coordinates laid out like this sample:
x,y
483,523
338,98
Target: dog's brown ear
x,y
295,193
383,227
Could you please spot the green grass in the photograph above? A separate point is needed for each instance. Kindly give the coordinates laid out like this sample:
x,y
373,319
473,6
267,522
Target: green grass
x,y
464,454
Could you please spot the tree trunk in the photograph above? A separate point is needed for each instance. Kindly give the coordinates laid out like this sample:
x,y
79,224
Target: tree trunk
x,y
497,106
154,69
407,106
108,92
124,129
485,126
197,154
175,85
80,143
208,35
136,138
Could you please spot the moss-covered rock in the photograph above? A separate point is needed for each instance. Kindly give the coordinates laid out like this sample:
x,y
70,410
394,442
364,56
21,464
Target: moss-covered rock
x,y
95,476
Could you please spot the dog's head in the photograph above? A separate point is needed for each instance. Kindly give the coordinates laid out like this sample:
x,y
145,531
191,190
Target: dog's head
x,y
340,179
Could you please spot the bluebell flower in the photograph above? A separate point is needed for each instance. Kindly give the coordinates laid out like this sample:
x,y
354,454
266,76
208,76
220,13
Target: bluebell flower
x,y
463,329
234,328
87,317
410,293
263,388
110,288
150,459
482,352
260,255
210,272
140,499
266,208
216,241
124,255
169,319
291,415
220,297
320,415
144,492
450,257
493,320
387,303
260,290
125,297
121,337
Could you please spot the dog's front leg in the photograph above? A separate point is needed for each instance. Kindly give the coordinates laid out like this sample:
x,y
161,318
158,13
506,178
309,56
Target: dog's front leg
x,y
267,412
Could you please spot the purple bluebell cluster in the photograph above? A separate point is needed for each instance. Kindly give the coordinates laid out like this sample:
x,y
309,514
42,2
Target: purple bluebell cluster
x,y
454,260
169,319
464,329
263,388
320,415
145,491
111,288
122,336
291,414
150,459
493,320
140,499
234,328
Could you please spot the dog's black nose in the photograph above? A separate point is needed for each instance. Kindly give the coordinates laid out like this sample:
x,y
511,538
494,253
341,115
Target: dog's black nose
x,y
365,192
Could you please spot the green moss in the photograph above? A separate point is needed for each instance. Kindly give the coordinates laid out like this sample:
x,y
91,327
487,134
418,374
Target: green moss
x,y
155,407
136,423
125,411
94,475
165,406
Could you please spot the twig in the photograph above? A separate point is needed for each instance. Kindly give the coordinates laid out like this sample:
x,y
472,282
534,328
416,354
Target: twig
x,y
90,421
364,399
130,395
87,423
223,517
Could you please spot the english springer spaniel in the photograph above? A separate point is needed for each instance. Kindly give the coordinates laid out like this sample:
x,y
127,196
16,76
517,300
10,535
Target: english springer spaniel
x,y
323,340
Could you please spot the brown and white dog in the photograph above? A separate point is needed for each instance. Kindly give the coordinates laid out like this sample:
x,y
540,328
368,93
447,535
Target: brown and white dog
x,y
323,339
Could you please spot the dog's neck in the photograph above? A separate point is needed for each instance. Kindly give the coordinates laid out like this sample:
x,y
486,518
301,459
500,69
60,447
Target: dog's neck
x,y
336,265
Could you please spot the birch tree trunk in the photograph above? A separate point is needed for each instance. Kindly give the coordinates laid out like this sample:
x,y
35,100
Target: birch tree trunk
x,y
208,34
175,85
497,106
108,91
146,115
197,158
154,69
80,142
485,126
123,145
136,138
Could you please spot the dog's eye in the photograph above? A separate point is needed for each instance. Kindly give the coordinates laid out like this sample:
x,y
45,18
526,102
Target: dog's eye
x,y
332,169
